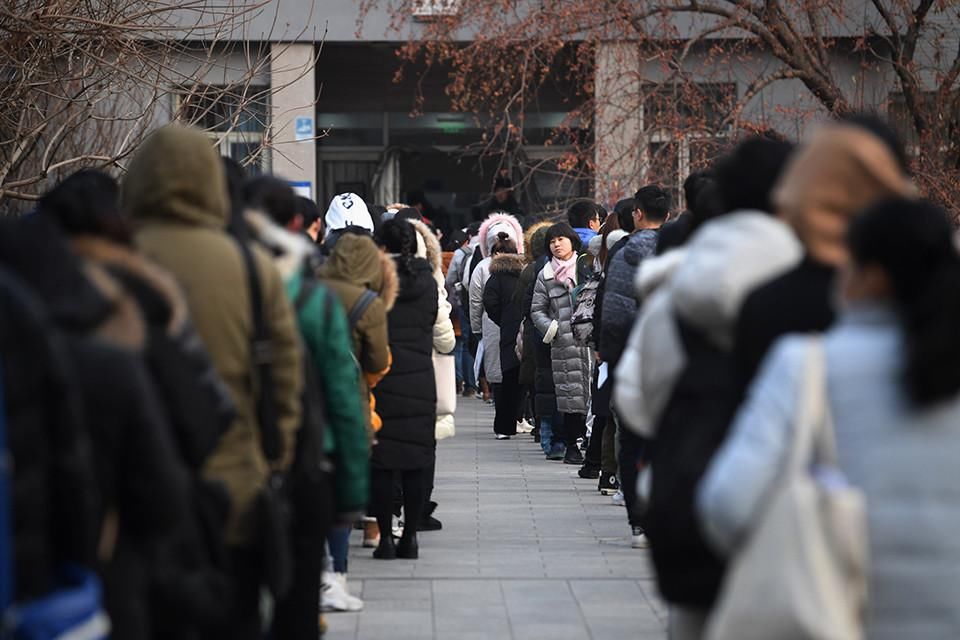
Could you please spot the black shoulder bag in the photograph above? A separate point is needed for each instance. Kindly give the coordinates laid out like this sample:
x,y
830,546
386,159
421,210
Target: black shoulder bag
x,y
274,511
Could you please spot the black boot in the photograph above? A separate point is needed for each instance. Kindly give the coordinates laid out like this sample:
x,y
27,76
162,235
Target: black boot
x,y
408,547
386,550
428,522
573,455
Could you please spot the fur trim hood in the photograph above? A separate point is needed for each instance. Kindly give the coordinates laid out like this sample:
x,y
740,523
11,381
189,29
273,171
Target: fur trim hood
x,y
357,260
292,249
533,240
507,263
494,224
429,245
391,281
116,256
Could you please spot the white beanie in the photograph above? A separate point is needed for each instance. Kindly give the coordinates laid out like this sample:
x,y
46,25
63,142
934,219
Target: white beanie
x,y
348,210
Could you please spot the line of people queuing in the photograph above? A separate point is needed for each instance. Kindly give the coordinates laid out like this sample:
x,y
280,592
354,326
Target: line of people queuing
x,y
205,385
751,373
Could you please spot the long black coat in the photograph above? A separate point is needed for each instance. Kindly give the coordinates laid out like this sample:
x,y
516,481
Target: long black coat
x,y
500,304
53,489
545,393
142,483
407,396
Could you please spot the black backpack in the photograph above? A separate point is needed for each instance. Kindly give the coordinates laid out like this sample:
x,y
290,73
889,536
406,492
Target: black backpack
x,y
691,429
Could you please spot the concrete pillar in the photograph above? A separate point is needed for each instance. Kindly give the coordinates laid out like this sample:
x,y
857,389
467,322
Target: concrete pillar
x,y
293,97
618,123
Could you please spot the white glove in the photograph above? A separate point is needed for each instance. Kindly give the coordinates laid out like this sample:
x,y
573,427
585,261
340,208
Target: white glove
x,y
551,332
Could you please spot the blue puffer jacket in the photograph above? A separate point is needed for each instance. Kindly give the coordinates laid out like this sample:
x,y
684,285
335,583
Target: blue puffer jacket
x,y
619,305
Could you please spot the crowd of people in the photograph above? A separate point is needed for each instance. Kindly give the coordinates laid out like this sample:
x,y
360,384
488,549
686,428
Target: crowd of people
x,y
796,320
206,385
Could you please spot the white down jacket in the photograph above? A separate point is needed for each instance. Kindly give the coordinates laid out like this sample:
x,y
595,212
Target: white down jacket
x,y
704,284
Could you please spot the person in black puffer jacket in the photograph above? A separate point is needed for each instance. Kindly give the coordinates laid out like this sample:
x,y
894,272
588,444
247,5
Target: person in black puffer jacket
x,y
407,396
498,295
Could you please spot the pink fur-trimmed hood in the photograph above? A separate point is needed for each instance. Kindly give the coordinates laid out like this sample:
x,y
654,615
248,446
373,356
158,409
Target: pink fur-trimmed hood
x,y
494,224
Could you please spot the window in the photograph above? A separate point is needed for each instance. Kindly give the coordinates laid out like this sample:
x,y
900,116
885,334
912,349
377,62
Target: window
x,y
236,117
685,131
432,9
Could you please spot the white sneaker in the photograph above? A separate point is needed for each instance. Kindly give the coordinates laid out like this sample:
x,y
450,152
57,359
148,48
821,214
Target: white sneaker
x,y
618,500
334,595
638,539
524,427
501,436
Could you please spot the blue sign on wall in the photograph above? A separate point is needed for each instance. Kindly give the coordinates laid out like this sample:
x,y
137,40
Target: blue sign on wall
x,y
304,128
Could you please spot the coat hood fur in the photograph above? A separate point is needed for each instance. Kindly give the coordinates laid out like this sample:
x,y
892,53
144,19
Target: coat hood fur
x,y
495,223
533,240
112,255
391,282
507,263
291,249
431,245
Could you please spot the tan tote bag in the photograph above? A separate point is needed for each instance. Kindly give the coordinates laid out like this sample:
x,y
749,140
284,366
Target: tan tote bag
x,y
802,571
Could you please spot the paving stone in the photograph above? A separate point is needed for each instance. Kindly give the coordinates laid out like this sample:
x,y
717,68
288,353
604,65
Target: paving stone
x,y
528,551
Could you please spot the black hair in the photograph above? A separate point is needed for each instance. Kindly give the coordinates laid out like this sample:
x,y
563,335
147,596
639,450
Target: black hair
x,y
912,242
503,244
882,130
561,230
624,210
376,212
707,205
399,238
408,213
473,229
582,212
308,210
88,202
235,175
455,240
694,183
654,201
747,174
273,196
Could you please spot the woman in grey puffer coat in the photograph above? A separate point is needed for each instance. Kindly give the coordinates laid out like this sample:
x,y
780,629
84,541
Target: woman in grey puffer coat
x,y
550,311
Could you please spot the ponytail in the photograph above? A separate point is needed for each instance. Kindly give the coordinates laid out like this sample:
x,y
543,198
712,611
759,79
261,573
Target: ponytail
x,y
399,238
913,243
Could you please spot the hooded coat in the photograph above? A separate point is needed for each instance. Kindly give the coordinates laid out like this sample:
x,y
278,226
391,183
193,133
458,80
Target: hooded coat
x,y
480,322
355,265
407,396
500,304
181,209
551,310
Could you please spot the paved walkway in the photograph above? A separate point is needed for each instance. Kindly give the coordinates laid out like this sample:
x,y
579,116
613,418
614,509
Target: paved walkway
x,y
528,550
